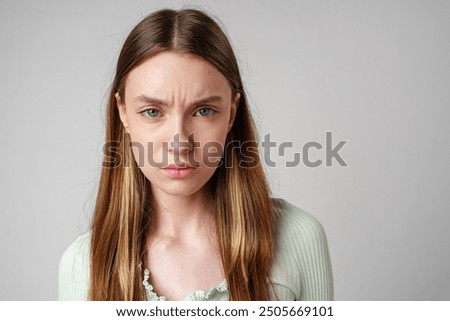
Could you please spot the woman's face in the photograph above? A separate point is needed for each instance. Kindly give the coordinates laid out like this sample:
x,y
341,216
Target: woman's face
x,y
178,109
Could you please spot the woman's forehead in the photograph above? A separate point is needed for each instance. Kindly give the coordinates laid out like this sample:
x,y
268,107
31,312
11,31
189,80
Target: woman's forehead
x,y
170,75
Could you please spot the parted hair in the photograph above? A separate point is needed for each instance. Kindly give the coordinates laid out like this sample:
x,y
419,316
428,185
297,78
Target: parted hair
x,y
125,209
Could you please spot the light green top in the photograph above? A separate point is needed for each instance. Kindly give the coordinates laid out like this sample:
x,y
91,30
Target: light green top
x,y
301,267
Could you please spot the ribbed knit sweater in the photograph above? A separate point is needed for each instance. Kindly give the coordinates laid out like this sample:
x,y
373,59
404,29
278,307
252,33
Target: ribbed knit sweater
x,y
301,267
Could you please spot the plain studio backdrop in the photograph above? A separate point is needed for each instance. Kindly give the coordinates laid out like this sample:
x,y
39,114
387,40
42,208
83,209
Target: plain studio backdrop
x,y
375,74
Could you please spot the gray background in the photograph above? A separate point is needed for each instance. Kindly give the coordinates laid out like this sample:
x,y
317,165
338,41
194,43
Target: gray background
x,y
374,73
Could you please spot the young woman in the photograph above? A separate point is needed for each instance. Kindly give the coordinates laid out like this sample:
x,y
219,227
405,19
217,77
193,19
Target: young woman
x,y
184,211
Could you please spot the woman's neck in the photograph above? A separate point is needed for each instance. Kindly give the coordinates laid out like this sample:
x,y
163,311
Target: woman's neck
x,y
182,217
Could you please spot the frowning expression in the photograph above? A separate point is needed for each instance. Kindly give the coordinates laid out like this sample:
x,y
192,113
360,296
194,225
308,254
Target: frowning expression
x,y
178,109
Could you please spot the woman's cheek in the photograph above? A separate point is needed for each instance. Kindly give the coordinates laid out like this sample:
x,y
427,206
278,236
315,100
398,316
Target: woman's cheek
x,y
211,153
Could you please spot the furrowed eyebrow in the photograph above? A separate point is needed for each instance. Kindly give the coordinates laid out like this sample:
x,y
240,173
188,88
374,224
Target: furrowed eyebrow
x,y
149,100
207,100
156,101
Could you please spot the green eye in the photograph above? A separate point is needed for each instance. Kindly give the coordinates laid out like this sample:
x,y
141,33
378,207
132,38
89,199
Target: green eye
x,y
205,112
152,112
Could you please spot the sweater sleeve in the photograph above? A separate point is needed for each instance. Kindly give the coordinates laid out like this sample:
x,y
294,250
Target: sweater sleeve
x,y
304,254
73,279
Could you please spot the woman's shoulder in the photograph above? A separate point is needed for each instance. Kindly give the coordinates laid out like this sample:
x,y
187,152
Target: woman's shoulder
x,y
291,219
78,250
301,256
74,269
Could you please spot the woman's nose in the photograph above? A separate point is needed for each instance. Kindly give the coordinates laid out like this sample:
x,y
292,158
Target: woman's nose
x,y
182,141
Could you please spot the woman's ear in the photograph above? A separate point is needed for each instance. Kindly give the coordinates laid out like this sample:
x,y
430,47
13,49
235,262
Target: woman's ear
x,y
234,107
122,112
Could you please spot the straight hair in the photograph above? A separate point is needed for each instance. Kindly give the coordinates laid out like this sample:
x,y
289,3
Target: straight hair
x,y
125,209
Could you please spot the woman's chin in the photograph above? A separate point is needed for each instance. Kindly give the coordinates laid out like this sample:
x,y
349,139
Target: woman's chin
x,y
176,189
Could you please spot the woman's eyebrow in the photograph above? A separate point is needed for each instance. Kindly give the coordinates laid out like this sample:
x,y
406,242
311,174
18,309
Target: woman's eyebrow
x,y
156,101
149,100
207,100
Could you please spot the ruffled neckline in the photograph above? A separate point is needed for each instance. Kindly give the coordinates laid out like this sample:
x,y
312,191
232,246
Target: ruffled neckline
x,y
198,295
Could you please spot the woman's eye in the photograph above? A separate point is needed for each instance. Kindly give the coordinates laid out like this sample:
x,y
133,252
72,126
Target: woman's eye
x,y
205,112
152,112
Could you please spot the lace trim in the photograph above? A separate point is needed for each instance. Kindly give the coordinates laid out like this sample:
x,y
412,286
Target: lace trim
x,y
222,287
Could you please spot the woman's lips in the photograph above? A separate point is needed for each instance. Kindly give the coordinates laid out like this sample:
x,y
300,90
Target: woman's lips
x,y
177,171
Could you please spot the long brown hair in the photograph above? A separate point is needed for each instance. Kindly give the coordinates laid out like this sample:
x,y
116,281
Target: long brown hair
x,y
125,208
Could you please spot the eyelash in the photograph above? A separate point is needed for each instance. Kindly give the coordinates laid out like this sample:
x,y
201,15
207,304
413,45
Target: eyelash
x,y
206,108
145,112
